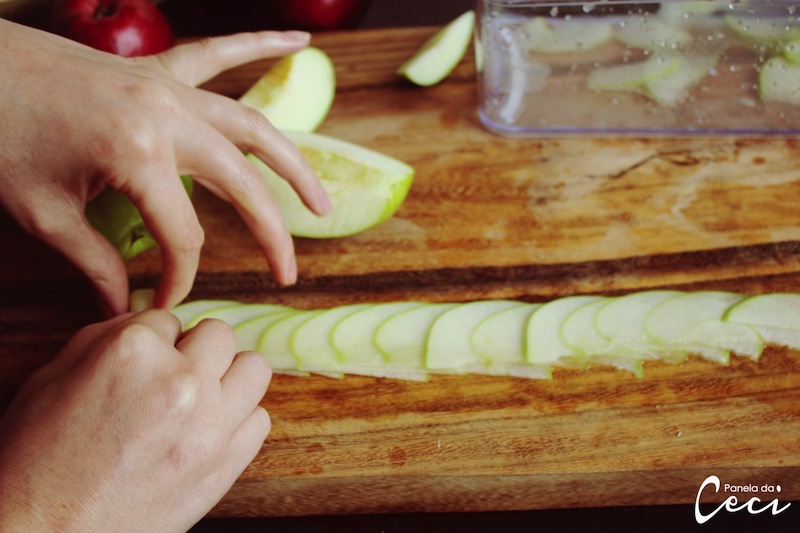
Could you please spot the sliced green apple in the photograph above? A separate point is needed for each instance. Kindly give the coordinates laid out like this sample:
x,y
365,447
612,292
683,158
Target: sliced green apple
x,y
236,314
500,339
544,343
652,33
779,81
403,338
792,51
275,340
623,320
672,89
118,220
764,32
633,76
186,312
365,187
296,94
558,36
354,338
449,346
776,317
690,9
693,322
440,54
311,342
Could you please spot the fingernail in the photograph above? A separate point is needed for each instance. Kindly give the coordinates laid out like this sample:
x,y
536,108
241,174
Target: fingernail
x,y
290,272
323,202
299,36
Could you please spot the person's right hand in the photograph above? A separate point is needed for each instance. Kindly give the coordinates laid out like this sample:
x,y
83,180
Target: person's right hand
x,y
132,427
77,120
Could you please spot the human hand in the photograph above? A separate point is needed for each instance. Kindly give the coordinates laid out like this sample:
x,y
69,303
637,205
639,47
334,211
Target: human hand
x,y
132,427
76,120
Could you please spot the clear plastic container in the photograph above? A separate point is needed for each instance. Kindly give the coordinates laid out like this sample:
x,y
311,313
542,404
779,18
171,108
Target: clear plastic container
x,y
622,67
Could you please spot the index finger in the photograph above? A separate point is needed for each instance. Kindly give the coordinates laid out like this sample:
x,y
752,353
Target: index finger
x,y
197,62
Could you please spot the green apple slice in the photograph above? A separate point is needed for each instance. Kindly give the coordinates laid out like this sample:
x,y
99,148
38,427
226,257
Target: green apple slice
x,y
500,339
544,343
652,33
633,76
296,94
693,322
186,312
354,338
779,81
236,314
311,341
365,187
404,337
764,31
275,341
118,220
559,36
672,89
623,320
449,346
440,54
690,9
248,336
792,51
776,317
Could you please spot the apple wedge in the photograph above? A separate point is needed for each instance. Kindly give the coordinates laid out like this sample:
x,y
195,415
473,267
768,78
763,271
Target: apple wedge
x,y
565,36
441,53
365,187
296,94
779,81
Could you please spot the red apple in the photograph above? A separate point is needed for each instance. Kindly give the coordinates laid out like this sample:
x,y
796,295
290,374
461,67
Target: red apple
x,y
322,14
124,27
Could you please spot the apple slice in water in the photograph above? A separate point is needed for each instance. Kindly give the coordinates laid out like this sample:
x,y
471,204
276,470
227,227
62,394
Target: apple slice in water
x,y
449,346
693,322
365,187
779,81
633,76
560,35
776,317
500,339
354,338
764,32
545,345
672,89
440,54
296,94
652,33
792,51
404,337
623,321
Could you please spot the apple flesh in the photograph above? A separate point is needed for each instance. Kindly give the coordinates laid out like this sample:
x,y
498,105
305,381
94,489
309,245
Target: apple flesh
x,y
127,28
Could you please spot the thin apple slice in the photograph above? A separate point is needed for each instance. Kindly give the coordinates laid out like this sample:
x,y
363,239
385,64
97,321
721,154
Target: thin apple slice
x,y
296,94
693,322
248,338
652,33
672,89
404,337
354,338
623,320
186,312
500,339
275,342
449,346
690,10
365,187
776,317
764,32
779,81
792,51
440,54
560,36
633,77
544,344
236,314
311,342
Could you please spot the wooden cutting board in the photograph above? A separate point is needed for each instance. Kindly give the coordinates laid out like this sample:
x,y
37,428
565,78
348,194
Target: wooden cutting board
x,y
490,217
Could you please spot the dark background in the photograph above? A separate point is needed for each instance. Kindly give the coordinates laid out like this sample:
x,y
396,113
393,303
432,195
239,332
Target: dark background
x,y
193,18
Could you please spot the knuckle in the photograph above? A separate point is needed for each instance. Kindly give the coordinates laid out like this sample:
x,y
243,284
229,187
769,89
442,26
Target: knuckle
x,y
217,331
180,393
256,124
191,239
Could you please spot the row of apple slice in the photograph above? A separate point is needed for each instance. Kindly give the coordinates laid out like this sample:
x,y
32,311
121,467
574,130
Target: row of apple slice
x,y
410,340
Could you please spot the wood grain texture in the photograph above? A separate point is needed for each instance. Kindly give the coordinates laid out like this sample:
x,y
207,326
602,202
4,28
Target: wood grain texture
x,y
490,217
